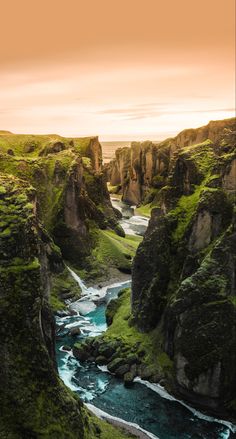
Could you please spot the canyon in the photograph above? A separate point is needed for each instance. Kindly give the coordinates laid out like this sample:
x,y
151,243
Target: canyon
x,y
175,326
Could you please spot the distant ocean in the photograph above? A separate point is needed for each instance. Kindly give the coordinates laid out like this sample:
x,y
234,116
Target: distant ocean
x,y
109,148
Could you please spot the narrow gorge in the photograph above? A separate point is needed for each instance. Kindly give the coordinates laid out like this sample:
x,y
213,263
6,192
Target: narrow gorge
x,y
119,280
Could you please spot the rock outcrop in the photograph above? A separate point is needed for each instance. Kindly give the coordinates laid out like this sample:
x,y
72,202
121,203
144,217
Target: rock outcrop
x,y
184,270
140,171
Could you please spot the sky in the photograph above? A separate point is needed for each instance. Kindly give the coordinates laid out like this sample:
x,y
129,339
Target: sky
x,y
122,70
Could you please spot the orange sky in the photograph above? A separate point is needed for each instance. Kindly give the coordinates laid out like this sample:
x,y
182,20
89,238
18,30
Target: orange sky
x,y
127,69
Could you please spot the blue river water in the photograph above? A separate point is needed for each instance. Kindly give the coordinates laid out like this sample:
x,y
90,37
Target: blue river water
x,y
151,408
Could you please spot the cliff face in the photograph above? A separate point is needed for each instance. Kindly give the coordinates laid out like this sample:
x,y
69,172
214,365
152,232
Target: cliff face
x,y
141,170
72,198
184,270
134,169
34,403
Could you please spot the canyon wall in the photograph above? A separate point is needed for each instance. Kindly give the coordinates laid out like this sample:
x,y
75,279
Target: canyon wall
x,y
34,402
72,197
184,270
140,171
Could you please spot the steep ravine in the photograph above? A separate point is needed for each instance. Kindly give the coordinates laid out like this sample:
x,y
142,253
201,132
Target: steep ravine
x,y
176,328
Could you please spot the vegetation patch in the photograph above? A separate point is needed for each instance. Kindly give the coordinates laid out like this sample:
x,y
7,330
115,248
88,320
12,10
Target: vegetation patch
x,y
149,344
110,251
64,287
144,210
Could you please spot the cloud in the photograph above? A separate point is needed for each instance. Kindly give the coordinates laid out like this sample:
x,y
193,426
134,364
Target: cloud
x,y
146,110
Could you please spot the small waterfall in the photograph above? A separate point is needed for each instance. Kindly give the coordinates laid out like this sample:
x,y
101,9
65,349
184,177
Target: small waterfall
x,y
84,289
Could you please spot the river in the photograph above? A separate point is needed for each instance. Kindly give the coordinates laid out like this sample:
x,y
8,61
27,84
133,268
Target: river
x,y
147,405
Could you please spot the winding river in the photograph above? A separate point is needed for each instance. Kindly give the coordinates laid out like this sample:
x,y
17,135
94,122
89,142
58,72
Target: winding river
x,y
146,405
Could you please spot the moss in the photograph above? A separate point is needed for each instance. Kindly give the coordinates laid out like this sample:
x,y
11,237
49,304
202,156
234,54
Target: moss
x,y
56,303
233,300
187,206
158,181
202,154
144,210
64,287
34,145
47,173
150,343
114,190
111,251
164,361
34,402
27,266
204,313
184,212
2,190
87,162
204,157
96,428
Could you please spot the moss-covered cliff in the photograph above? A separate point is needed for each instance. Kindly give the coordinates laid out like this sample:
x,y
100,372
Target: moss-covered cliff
x,y
71,192
184,270
34,401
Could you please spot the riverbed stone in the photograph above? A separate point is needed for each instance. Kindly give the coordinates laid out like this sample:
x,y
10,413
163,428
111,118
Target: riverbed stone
x,y
75,331
100,360
80,352
66,348
115,364
122,370
107,350
131,359
128,379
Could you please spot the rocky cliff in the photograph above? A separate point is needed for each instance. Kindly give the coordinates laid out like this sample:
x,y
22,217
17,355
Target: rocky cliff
x,y
184,270
71,190
140,171
34,403
72,200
